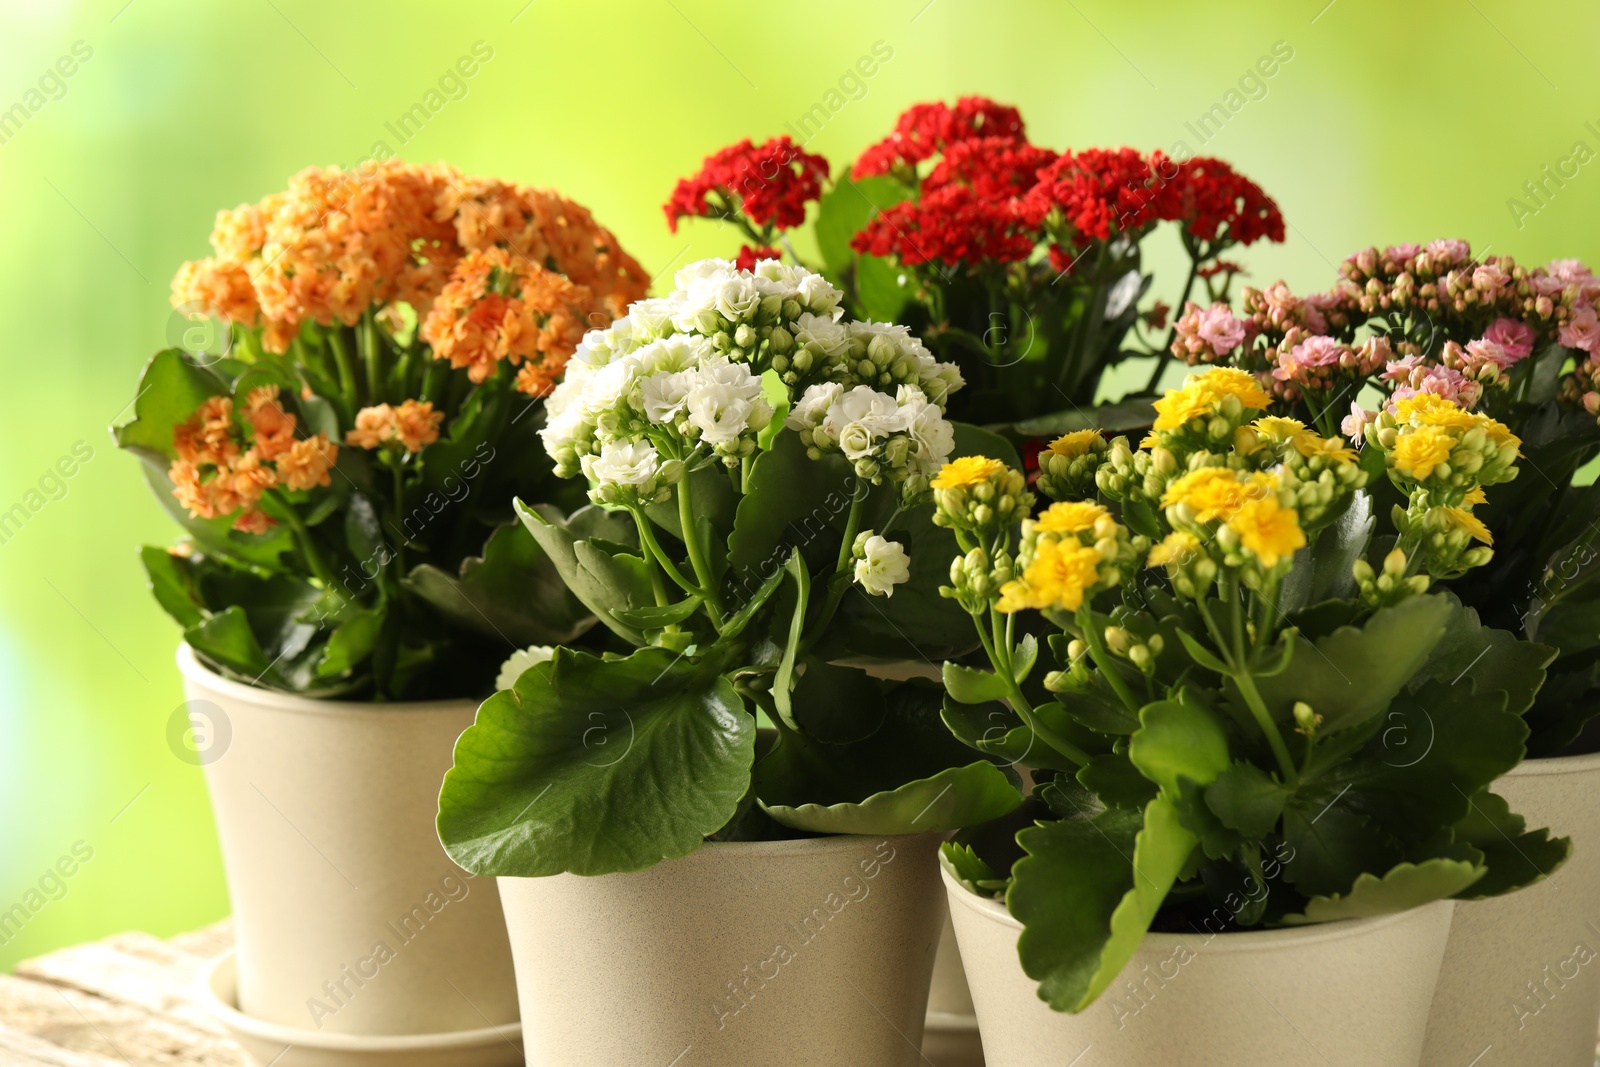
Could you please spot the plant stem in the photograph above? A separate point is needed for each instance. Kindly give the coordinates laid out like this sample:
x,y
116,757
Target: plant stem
x,y
1165,356
840,580
652,548
371,352
308,547
691,541
347,376
1243,674
1018,700
1102,660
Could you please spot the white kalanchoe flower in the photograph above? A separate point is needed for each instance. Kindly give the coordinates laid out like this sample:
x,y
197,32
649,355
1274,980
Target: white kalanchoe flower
x,y
881,564
726,405
630,473
521,660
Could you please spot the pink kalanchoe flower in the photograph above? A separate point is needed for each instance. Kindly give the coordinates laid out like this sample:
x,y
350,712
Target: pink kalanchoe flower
x,y
1514,336
1448,251
1300,363
1484,351
1582,330
1401,253
1220,329
1488,278
1355,424
1591,403
1414,376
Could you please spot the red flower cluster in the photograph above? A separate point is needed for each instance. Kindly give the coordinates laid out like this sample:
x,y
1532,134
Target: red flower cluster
x,y
953,225
1102,191
748,257
769,183
1210,198
927,129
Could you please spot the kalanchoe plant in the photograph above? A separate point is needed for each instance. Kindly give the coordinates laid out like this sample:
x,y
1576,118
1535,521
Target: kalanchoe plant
x,y
343,453
759,472
1418,340
1018,263
1255,715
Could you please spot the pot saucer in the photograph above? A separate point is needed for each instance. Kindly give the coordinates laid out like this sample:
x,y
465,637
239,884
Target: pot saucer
x,y
288,1046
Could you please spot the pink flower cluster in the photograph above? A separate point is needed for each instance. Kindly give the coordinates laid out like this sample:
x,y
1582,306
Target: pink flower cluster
x,y
1207,335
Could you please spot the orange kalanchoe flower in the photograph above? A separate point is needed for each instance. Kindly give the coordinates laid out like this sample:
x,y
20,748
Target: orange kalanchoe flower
x,y
413,425
306,464
504,307
209,436
274,428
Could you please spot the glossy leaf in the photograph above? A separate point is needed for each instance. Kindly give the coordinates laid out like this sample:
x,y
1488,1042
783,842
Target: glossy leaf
x,y
1402,887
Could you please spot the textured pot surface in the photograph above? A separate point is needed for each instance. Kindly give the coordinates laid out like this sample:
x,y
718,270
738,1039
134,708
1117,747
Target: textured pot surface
x,y
951,1036
1521,977
349,916
1353,993
813,953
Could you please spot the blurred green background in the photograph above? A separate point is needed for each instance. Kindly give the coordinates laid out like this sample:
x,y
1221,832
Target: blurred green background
x,y
1391,122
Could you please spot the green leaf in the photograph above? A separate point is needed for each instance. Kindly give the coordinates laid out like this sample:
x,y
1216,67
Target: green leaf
x,y
1124,416
967,868
910,776
839,705
1247,799
1100,712
1112,778
1516,856
969,686
1352,674
595,766
652,617
789,500
1177,740
783,679
513,592
845,210
1085,909
603,581
1201,654
1027,653
226,639
882,288
172,583
170,388
1403,887
1331,844
1322,572
1493,659
349,645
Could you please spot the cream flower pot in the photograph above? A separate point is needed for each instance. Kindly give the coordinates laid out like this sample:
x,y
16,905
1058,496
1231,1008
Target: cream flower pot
x,y
951,1036
349,917
1352,992
1521,978
811,953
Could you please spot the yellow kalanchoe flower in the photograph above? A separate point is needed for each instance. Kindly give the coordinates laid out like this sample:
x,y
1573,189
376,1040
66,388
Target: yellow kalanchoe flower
x,y
1422,450
1462,519
1311,446
1176,547
1061,573
1069,517
1268,530
1276,428
1216,492
1076,443
967,471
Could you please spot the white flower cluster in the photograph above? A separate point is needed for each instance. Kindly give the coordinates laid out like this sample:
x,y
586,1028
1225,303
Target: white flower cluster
x,y
904,436
678,380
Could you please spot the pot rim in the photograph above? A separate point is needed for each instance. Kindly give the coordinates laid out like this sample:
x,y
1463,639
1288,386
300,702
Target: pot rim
x,y
217,990
193,670
1232,941
719,850
1549,765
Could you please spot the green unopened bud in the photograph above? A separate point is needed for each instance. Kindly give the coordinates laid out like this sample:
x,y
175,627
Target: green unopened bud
x,y
1306,720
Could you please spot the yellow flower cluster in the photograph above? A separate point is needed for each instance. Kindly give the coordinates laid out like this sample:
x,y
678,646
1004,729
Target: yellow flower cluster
x,y
1247,505
1074,548
1442,448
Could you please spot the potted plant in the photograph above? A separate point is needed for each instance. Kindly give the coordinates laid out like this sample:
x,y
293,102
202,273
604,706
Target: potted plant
x,y
356,403
758,468
1263,753
1480,334
1021,265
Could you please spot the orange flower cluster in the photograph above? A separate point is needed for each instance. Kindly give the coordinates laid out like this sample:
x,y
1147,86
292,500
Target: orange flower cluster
x,y
498,306
339,243
413,424
219,470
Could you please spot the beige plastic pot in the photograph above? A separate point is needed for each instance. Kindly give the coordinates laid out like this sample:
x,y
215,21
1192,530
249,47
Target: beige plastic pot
x,y
812,953
349,917
1353,992
1521,979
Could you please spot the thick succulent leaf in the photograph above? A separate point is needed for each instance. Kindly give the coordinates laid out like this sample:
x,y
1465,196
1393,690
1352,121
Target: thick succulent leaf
x,y
838,705
227,640
1492,659
513,592
1322,571
845,210
1516,856
968,868
790,500
172,583
1331,843
591,551
1178,740
170,388
910,776
1084,905
995,730
594,766
1247,799
1351,675
1402,887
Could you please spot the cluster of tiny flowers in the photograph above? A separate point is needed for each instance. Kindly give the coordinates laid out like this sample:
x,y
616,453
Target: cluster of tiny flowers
x,y
1241,514
225,464
1072,550
976,494
1207,410
411,426
1208,335
901,437
679,378
1067,467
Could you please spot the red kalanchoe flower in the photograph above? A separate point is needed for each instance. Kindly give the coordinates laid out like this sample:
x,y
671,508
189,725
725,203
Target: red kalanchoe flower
x,y
748,257
927,129
995,168
953,225
770,183
1100,192
1211,199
